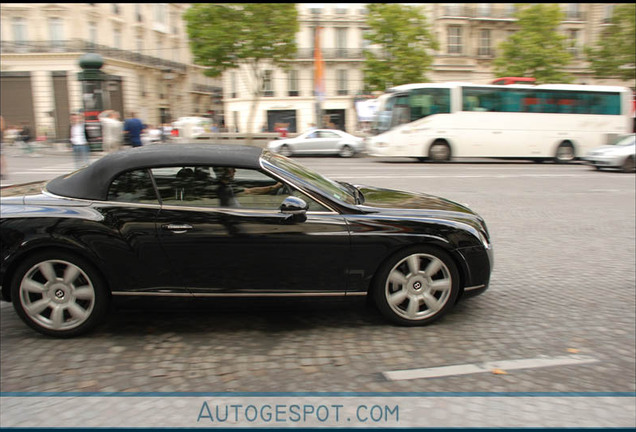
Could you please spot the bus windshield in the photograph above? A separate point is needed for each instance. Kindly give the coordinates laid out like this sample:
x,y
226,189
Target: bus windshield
x,y
399,108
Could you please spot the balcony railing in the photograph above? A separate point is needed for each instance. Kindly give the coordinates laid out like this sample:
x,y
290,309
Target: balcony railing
x,y
82,46
476,12
203,88
331,53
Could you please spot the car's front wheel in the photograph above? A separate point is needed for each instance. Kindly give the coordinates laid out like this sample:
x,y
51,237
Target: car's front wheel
x,y
346,151
628,165
59,294
417,286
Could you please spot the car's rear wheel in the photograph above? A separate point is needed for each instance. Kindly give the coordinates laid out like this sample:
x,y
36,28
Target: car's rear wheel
x,y
565,153
59,294
628,165
346,151
417,286
285,150
439,151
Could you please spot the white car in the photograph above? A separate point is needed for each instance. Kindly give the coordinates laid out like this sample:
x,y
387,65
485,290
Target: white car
x,y
319,141
192,127
619,155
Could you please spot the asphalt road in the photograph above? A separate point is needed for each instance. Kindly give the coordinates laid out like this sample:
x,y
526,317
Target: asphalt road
x,y
563,288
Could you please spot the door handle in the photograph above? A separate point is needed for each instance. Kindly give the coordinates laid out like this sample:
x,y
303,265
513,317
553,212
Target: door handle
x,y
177,228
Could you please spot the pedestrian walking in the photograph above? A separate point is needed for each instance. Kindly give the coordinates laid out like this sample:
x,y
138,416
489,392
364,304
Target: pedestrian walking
x,y
133,127
26,138
79,140
112,130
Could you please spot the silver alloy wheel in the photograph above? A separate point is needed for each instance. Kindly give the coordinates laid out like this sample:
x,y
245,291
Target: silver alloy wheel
x,y
57,295
439,152
285,151
418,287
346,151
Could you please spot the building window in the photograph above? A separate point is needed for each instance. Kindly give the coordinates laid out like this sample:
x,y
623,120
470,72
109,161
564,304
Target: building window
x,y
92,32
453,9
341,42
292,83
142,85
176,57
573,12
573,45
455,40
115,8
343,82
56,32
268,84
159,50
365,43
138,16
160,13
484,43
117,38
233,85
607,14
174,22
510,10
139,44
19,31
315,11
341,10
483,9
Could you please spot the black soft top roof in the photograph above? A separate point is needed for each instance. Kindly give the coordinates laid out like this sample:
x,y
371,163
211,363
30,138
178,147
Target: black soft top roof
x,y
93,181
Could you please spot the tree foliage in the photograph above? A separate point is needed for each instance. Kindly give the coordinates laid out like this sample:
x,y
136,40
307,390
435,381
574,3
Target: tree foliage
x,y
615,53
226,36
405,43
537,49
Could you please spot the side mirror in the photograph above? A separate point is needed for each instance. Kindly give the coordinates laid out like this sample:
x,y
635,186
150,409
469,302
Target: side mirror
x,y
295,208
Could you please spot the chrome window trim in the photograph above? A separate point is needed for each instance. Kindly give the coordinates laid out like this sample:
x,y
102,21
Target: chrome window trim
x,y
303,190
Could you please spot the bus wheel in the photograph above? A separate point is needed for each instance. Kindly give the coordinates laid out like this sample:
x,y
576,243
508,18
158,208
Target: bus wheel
x,y
439,151
565,153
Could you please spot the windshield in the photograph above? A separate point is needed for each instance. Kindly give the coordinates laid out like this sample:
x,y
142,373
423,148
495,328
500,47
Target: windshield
x,y
310,179
626,140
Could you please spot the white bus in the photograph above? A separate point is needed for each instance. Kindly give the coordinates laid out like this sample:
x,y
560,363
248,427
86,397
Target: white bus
x,y
442,121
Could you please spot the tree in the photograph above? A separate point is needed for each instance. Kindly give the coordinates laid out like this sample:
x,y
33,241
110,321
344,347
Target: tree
x,y
537,49
404,42
230,35
615,53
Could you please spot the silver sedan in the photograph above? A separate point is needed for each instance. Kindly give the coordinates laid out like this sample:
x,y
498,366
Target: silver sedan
x,y
319,141
620,155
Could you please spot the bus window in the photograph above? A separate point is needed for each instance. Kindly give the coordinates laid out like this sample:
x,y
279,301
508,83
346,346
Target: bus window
x,y
425,102
481,99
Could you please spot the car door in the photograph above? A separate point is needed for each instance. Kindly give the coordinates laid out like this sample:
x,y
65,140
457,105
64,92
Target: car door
x,y
134,258
329,141
308,144
227,235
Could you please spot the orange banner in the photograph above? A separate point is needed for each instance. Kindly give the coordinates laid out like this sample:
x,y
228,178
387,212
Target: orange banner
x,y
319,64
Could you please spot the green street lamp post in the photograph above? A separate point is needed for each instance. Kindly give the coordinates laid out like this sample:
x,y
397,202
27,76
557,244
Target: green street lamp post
x,y
93,94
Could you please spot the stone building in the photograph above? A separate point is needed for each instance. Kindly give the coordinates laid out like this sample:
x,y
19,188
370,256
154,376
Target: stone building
x,y
146,58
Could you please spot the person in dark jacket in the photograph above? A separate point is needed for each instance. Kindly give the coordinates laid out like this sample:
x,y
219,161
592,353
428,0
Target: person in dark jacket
x,y
133,128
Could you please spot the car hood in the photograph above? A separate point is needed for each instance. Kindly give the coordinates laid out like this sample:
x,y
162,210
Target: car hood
x,y
417,204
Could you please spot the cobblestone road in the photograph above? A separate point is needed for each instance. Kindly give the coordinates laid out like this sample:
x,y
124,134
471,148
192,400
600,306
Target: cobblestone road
x,y
563,285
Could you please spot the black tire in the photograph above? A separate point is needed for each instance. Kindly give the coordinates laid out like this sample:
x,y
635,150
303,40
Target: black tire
x,y
285,151
417,298
628,165
565,153
347,151
59,294
439,151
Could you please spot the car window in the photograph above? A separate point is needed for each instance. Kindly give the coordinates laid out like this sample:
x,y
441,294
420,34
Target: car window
x,y
328,134
221,186
312,135
133,187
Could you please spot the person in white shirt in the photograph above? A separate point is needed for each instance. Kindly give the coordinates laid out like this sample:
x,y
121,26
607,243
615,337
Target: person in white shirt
x,y
78,140
112,130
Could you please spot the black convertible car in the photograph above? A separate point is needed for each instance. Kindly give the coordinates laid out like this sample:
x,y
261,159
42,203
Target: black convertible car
x,y
213,220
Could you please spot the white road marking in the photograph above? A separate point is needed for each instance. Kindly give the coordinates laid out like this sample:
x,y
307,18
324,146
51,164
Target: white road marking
x,y
505,365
